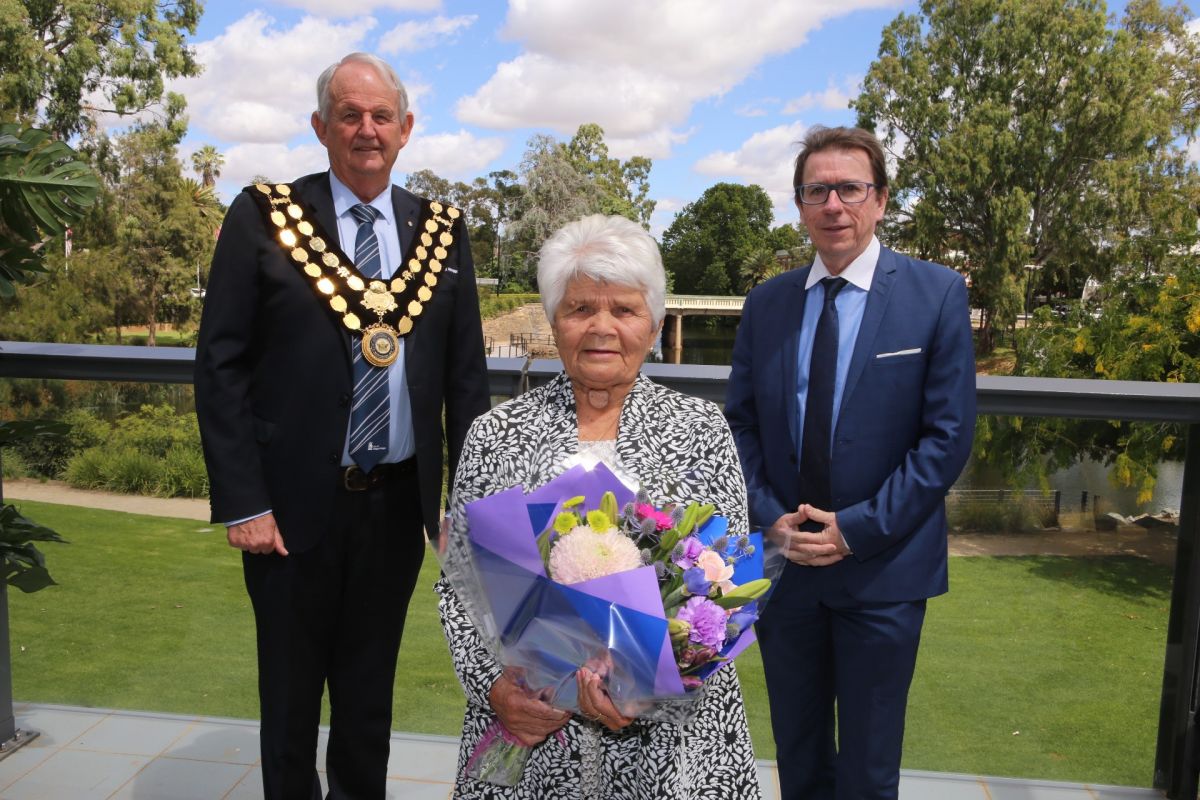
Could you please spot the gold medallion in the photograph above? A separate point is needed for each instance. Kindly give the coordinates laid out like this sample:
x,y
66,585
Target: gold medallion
x,y
295,212
300,255
380,345
435,206
278,218
337,303
312,270
330,260
262,187
325,286
430,280
404,325
316,243
426,240
414,309
351,321
430,226
435,265
283,189
377,298
288,238
305,227
446,239
355,283
423,294
453,212
397,285
439,253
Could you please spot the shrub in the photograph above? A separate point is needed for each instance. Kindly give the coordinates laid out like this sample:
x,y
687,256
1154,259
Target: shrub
x,y
1014,515
89,469
154,430
132,471
182,474
13,465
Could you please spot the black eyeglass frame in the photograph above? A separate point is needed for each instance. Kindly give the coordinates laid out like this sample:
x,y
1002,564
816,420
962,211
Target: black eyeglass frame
x,y
835,187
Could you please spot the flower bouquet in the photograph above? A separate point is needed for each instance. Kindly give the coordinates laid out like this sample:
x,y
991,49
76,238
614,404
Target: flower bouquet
x,y
586,572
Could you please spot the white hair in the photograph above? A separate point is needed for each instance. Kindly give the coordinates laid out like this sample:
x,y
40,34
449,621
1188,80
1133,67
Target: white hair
x,y
613,250
384,70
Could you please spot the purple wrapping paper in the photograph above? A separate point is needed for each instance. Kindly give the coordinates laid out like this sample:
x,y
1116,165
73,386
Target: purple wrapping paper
x,y
548,629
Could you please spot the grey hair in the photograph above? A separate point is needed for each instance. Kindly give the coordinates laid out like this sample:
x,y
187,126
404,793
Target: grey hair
x,y
384,69
613,250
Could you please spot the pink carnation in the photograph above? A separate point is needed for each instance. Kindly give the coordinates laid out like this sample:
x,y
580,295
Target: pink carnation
x,y
584,554
662,520
707,620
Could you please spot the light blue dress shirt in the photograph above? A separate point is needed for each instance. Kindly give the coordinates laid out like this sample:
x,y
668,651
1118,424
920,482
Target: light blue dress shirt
x,y
400,440
851,302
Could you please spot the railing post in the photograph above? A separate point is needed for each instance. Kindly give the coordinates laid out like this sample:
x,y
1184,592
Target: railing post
x,y
10,737
1176,763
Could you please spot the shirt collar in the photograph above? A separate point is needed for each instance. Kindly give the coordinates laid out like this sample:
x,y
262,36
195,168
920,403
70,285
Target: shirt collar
x,y
344,199
859,272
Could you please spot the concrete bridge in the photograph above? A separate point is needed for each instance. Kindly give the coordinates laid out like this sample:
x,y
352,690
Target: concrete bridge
x,y
683,305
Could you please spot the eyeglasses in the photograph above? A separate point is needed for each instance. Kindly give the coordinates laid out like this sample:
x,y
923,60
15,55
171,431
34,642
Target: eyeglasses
x,y
849,192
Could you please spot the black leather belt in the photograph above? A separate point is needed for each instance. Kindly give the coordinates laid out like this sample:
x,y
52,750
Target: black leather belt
x,y
355,480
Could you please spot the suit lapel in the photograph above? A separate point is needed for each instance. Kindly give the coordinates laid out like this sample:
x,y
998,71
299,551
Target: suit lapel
x,y
406,209
877,301
793,314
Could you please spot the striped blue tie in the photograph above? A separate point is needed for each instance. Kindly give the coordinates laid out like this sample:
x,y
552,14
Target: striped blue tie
x,y
369,416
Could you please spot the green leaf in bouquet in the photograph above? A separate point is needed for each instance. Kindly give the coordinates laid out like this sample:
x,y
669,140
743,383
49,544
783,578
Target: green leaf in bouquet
x,y
751,590
608,504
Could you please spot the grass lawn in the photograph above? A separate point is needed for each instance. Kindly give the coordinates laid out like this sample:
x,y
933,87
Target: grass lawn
x,y
1036,667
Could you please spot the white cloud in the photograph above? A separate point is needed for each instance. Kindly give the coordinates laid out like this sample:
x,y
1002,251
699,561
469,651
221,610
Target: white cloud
x,y
766,158
833,98
259,82
409,36
456,156
1194,151
277,161
656,144
635,68
345,9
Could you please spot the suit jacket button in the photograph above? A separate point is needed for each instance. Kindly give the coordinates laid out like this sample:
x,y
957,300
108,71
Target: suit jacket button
x,y
334,458
344,400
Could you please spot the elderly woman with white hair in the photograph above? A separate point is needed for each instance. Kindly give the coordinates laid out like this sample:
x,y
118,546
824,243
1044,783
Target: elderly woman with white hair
x,y
602,285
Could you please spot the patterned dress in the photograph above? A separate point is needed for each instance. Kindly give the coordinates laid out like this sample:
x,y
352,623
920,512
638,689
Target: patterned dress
x,y
680,448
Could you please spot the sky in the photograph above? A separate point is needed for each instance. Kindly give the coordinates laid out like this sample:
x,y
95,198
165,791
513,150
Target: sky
x,y
709,90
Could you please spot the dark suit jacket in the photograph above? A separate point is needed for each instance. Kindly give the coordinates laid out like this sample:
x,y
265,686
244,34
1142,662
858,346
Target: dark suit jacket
x,y
904,428
273,373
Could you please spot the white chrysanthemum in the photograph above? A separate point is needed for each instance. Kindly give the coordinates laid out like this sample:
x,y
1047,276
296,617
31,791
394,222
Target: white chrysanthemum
x,y
584,554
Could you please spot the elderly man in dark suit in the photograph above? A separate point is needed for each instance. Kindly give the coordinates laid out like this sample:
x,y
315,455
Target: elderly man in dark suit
x,y
852,402
341,322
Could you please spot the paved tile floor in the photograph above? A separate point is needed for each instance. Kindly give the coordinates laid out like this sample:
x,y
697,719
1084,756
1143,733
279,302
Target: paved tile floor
x,y
92,754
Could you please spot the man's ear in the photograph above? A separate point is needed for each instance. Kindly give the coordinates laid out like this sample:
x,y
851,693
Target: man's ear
x,y
318,126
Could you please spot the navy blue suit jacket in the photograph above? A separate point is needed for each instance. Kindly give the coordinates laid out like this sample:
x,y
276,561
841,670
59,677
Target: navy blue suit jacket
x,y
904,429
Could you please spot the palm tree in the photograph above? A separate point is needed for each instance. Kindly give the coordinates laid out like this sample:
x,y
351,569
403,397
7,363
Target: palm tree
x,y
207,162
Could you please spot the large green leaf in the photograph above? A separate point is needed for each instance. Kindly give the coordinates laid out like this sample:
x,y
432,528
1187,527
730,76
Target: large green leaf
x,y
23,430
22,564
44,187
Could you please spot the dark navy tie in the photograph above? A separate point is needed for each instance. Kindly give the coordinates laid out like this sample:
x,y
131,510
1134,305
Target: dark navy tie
x,y
816,446
369,415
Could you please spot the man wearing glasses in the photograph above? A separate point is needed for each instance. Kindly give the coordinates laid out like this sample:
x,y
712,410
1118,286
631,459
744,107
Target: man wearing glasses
x,y
852,401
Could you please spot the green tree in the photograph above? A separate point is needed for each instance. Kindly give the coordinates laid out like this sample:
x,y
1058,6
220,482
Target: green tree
x,y
1032,132
710,240
624,185
207,162
61,62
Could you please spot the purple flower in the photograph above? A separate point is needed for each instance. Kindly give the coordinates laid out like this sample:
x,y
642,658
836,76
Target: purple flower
x,y
707,620
688,551
695,581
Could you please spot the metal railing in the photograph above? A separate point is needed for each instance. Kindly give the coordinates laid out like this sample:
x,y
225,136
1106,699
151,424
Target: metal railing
x,y
1177,760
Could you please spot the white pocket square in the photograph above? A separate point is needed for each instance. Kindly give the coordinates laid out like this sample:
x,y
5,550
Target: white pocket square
x,y
909,352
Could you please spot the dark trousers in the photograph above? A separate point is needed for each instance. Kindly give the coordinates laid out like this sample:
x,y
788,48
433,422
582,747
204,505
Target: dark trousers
x,y
334,614
838,673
